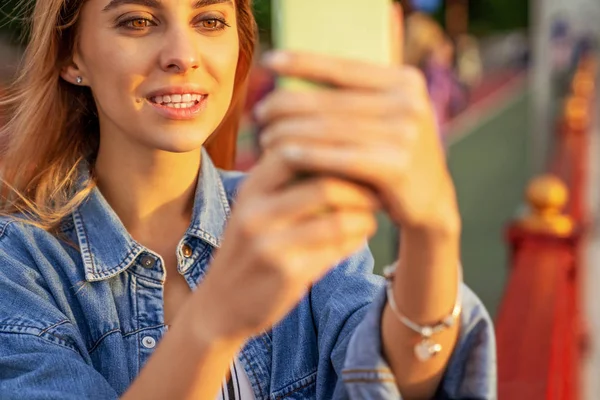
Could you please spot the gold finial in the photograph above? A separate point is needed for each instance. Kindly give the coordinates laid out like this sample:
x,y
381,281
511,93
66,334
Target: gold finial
x,y
584,85
577,113
547,196
589,64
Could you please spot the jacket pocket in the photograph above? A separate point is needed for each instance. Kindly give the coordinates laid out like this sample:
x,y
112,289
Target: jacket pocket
x,y
304,389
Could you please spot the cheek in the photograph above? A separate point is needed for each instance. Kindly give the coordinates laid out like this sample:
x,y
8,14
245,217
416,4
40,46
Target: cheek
x,y
220,61
113,69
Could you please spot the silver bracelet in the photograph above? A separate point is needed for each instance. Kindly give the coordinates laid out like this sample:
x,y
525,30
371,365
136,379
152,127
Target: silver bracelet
x,y
426,348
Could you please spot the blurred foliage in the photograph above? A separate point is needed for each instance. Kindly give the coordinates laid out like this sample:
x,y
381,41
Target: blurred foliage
x,y
491,16
11,18
262,13
485,16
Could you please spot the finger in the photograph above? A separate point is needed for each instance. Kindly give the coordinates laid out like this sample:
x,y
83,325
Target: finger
x,y
370,165
342,73
331,229
305,199
340,132
410,93
397,33
323,241
283,103
271,173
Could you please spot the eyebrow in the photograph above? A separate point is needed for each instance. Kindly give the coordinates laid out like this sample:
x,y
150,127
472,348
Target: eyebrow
x,y
157,4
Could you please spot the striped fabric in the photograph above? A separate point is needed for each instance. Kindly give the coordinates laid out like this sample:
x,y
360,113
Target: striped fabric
x,y
238,386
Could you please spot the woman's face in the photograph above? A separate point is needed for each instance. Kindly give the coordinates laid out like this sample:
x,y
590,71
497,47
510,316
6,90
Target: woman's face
x,y
161,71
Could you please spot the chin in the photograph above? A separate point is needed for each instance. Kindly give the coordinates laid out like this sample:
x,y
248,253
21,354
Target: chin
x,y
181,140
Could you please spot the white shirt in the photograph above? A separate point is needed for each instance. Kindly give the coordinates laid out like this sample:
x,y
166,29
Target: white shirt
x,y
238,387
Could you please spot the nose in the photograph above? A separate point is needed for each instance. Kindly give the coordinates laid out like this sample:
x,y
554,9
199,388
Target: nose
x,y
180,52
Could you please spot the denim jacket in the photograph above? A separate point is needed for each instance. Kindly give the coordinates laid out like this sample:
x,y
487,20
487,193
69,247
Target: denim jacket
x,y
80,321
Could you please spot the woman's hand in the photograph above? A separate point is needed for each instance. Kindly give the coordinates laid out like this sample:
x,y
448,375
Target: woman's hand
x,y
376,127
282,237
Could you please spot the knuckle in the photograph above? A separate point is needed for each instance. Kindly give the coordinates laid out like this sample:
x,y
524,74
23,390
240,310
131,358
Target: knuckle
x,y
338,225
371,224
409,132
276,130
278,97
415,76
275,266
305,100
417,108
325,191
250,219
278,102
244,190
265,253
323,125
398,99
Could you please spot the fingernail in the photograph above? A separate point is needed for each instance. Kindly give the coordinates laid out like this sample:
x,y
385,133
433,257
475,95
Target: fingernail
x,y
292,153
276,59
265,140
260,112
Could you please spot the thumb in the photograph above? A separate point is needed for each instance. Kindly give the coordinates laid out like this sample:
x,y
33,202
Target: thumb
x,y
397,32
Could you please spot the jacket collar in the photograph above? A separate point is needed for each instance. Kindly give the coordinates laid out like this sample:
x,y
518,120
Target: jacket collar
x,y
107,249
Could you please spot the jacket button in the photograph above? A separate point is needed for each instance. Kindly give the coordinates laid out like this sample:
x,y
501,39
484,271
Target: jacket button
x,y
186,250
148,261
149,342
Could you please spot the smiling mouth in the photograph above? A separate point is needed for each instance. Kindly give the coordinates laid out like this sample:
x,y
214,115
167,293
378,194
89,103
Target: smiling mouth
x,y
178,100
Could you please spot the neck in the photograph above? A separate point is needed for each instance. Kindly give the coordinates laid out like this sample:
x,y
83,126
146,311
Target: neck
x,y
148,190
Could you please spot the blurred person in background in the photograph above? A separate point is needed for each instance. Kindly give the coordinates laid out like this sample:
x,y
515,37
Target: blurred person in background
x,y
561,41
133,267
469,63
428,48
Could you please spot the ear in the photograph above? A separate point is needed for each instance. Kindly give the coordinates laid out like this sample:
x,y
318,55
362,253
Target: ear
x,y
72,71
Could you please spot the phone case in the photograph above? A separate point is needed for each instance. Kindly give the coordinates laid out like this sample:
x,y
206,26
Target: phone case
x,y
354,29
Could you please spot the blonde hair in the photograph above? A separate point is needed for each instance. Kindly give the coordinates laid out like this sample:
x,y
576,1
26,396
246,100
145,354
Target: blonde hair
x,y
423,35
51,127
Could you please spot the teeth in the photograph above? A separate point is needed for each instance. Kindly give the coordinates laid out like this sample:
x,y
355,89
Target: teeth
x,y
178,99
180,105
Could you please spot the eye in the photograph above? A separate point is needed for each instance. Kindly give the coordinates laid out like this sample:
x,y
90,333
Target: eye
x,y
137,23
213,24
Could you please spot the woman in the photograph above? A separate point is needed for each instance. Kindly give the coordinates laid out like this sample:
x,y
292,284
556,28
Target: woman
x,y
125,272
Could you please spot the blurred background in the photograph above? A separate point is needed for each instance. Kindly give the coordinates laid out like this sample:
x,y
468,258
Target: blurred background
x,y
513,86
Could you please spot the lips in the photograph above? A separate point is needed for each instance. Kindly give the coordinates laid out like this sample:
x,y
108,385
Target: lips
x,y
183,102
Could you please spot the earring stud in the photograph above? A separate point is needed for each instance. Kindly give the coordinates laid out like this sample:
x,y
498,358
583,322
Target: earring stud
x,y
79,80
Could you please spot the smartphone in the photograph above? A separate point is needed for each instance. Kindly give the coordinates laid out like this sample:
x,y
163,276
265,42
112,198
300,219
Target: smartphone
x,y
352,29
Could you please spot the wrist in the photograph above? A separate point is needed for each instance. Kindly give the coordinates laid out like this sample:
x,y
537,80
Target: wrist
x,y
206,325
441,220
443,228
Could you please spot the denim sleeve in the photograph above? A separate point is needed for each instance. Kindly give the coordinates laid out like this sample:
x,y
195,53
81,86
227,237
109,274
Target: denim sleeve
x,y
38,367
42,354
471,372
339,302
